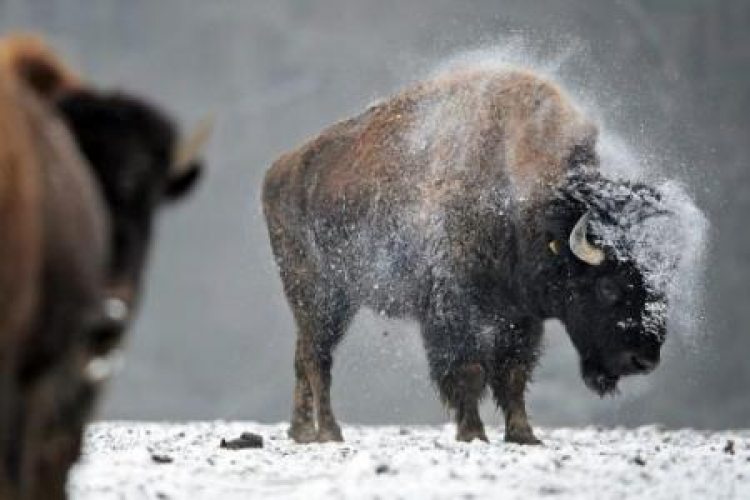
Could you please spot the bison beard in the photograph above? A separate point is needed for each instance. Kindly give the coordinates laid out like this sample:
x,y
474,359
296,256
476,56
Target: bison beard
x,y
473,204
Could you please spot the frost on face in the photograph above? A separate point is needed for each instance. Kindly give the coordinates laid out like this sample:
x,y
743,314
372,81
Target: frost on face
x,y
656,225
663,233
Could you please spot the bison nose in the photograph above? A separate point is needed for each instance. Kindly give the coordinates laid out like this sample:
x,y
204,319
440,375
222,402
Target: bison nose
x,y
643,364
639,363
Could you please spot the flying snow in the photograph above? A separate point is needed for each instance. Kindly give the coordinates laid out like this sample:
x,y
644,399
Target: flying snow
x,y
669,250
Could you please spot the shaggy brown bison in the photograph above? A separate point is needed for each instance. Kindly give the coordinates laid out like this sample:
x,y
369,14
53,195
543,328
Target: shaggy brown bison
x,y
472,203
82,173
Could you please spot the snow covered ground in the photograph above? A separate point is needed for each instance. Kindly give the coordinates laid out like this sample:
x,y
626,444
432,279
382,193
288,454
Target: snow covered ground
x,y
184,461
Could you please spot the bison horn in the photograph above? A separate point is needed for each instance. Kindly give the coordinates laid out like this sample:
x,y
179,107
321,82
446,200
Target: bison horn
x,y
190,147
580,245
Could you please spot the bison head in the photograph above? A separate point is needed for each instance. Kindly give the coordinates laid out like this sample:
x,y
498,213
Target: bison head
x,y
133,149
612,250
140,162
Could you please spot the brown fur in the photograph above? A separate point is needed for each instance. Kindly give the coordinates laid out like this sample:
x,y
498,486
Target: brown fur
x,y
19,253
33,61
87,171
52,263
19,215
521,128
417,170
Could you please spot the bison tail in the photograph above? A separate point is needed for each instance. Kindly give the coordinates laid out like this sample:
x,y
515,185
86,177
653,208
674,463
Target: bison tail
x,y
29,58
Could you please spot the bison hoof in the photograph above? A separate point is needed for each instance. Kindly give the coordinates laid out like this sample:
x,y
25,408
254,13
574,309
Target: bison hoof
x,y
303,434
332,435
521,437
469,435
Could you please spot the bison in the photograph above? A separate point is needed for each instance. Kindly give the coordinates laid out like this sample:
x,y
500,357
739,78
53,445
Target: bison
x,y
82,174
473,203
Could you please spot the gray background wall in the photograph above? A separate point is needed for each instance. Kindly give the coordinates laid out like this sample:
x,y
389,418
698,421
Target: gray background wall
x,y
215,338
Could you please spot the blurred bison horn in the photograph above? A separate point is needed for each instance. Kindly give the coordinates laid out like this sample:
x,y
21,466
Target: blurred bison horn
x,y
581,247
190,147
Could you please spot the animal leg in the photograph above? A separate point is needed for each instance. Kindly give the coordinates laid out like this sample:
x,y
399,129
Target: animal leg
x,y
302,428
516,353
11,423
464,391
509,390
319,371
62,401
322,321
454,357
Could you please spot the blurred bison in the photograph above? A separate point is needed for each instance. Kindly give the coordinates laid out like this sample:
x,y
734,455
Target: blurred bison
x,y
82,173
473,204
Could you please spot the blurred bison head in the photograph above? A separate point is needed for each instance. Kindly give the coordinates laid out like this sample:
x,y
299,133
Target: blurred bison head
x,y
612,254
140,162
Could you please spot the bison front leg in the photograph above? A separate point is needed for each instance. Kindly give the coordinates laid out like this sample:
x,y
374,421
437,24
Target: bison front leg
x,y
463,390
455,365
516,353
11,427
59,405
509,390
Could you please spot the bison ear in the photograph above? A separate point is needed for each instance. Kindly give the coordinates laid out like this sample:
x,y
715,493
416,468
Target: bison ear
x,y
38,66
179,185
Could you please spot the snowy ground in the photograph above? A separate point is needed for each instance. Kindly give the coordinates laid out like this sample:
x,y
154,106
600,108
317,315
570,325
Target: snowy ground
x,y
185,461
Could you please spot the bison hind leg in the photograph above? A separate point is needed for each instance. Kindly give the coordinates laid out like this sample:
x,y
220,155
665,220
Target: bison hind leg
x,y
302,429
321,326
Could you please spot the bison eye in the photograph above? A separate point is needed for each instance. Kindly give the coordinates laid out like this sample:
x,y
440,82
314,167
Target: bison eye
x,y
608,291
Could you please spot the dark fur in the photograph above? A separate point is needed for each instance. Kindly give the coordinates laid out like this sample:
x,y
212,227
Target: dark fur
x,y
96,167
454,237
128,143
67,285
